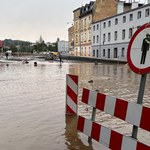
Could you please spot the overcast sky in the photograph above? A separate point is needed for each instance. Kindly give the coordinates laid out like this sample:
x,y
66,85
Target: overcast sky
x,y
28,19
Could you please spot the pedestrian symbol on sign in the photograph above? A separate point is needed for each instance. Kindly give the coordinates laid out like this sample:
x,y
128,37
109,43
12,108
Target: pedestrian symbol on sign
x,y
145,48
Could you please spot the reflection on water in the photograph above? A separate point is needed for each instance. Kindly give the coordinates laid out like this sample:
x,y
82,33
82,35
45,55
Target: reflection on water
x,y
32,103
73,140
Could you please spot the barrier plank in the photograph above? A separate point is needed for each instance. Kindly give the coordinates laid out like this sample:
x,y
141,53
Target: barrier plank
x,y
108,137
130,112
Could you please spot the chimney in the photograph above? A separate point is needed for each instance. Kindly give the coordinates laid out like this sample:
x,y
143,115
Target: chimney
x,y
120,7
134,5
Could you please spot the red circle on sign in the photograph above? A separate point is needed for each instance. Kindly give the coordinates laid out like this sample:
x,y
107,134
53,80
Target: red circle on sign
x,y
132,65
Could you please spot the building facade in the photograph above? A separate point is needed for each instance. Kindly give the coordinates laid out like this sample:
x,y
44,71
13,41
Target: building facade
x,y
71,40
82,30
111,35
63,46
76,32
85,29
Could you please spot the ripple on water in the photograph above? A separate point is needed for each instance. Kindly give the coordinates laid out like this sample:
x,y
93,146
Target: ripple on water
x,y
32,103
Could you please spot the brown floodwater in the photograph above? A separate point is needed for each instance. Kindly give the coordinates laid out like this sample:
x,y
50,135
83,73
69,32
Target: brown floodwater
x,y
32,103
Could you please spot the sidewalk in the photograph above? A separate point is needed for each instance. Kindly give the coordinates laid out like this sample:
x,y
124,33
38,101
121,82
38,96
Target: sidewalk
x,y
93,59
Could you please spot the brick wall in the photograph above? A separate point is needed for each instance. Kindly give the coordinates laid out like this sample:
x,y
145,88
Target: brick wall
x,y
104,8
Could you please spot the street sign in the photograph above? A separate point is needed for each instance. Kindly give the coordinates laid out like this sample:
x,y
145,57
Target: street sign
x,y
138,53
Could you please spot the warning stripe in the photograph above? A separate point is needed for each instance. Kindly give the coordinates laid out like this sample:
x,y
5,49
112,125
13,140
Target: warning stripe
x,y
107,137
71,104
71,94
130,112
72,84
74,78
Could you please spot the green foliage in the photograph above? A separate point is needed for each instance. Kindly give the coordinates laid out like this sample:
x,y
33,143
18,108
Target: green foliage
x,y
25,46
17,45
52,48
40,47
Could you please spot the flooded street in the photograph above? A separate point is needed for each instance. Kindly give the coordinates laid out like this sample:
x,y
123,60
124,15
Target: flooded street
x,y
32,103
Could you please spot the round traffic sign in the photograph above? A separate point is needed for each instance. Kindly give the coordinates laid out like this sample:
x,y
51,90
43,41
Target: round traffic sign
x,y
138,53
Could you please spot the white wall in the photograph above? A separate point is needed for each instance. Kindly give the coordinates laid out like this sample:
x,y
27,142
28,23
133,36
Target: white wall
x,y
63,46
119,43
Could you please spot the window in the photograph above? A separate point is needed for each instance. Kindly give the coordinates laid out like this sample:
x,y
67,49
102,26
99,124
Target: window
x,y
115,36
116,21
97,26
97,39
85,22
76,51
130,32
93,53
131,17
103,52
94,28
124,19
85,51
76,38
147,12
115,53
81,37
89,51
104,25
89,36
93,39
89,21
109,23
123,34
108,53
104,38
97,53
139,15
81,24
123,52
85,37
81,51
76,25
109,37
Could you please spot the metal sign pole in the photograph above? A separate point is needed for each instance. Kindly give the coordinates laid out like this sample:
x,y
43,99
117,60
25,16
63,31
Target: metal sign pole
x,y
93,119
139,101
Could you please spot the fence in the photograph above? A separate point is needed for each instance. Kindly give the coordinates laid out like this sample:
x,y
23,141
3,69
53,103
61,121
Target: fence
x,y
130,112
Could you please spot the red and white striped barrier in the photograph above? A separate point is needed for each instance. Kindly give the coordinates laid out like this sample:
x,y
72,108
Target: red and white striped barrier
x,y
107,137
130,112
71,94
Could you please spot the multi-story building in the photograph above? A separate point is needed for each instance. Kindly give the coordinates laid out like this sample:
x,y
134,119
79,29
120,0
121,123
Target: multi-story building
x,y
111,35
71,40
82,30
76,32
85,29
63,46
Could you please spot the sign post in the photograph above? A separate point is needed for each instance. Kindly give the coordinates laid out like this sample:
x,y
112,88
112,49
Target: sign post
x,y
138,56
139,101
